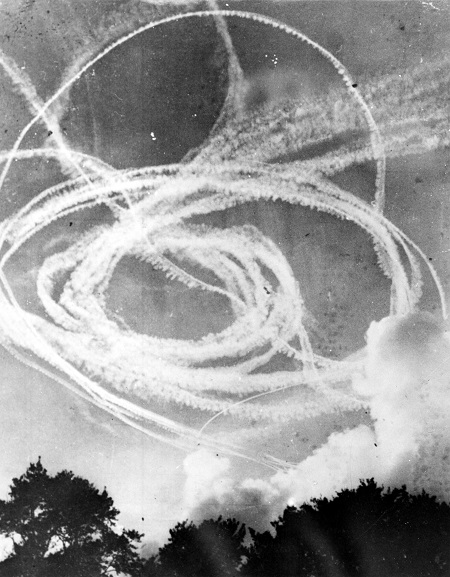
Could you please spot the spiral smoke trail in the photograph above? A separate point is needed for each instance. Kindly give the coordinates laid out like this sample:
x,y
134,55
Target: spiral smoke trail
x,y
79,343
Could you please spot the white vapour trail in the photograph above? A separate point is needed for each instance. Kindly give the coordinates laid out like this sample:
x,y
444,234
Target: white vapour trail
x,y
71,163
411,121
90,260
83,341
378,151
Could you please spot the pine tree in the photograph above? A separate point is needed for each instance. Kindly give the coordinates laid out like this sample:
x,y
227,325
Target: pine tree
x,y
64,526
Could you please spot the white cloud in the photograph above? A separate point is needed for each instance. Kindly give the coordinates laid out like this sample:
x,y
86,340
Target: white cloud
x,y
341,462
408,377
406,383
207,474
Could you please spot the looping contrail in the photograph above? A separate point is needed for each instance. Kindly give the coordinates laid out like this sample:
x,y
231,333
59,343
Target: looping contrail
x,y
79,343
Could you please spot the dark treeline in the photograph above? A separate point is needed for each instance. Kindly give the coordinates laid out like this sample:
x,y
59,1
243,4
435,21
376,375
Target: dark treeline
x,y
63,526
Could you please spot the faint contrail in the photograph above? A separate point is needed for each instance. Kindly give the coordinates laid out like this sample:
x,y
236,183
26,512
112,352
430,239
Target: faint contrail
x,y
80,345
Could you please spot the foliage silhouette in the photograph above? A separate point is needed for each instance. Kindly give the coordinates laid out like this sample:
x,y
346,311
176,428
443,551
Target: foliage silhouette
x,y
365,532
213,549
66,528
362,531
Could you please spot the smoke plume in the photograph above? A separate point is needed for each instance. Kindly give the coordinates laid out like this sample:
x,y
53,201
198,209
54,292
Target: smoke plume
x,y
406,384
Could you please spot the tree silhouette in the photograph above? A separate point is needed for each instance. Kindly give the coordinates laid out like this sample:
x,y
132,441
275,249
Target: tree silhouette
x,y
361,532
292,551
65,527
212,549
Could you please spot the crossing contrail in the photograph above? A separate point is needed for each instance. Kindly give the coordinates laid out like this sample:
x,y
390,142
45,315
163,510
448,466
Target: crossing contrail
x,y
81,345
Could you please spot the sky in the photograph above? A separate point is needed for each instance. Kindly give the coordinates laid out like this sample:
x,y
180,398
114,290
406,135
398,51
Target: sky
x,y
212,99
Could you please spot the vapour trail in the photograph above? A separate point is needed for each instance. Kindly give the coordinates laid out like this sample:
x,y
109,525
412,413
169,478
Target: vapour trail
x,y
80,344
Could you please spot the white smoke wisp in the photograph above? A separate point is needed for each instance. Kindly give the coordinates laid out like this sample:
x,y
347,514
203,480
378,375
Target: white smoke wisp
x,y
81,345
211,490
341,462
406,381
206,474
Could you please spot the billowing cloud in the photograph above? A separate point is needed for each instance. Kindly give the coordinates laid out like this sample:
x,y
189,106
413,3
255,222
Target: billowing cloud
x,y
211,490
207,474
406,381
341,462
408,374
